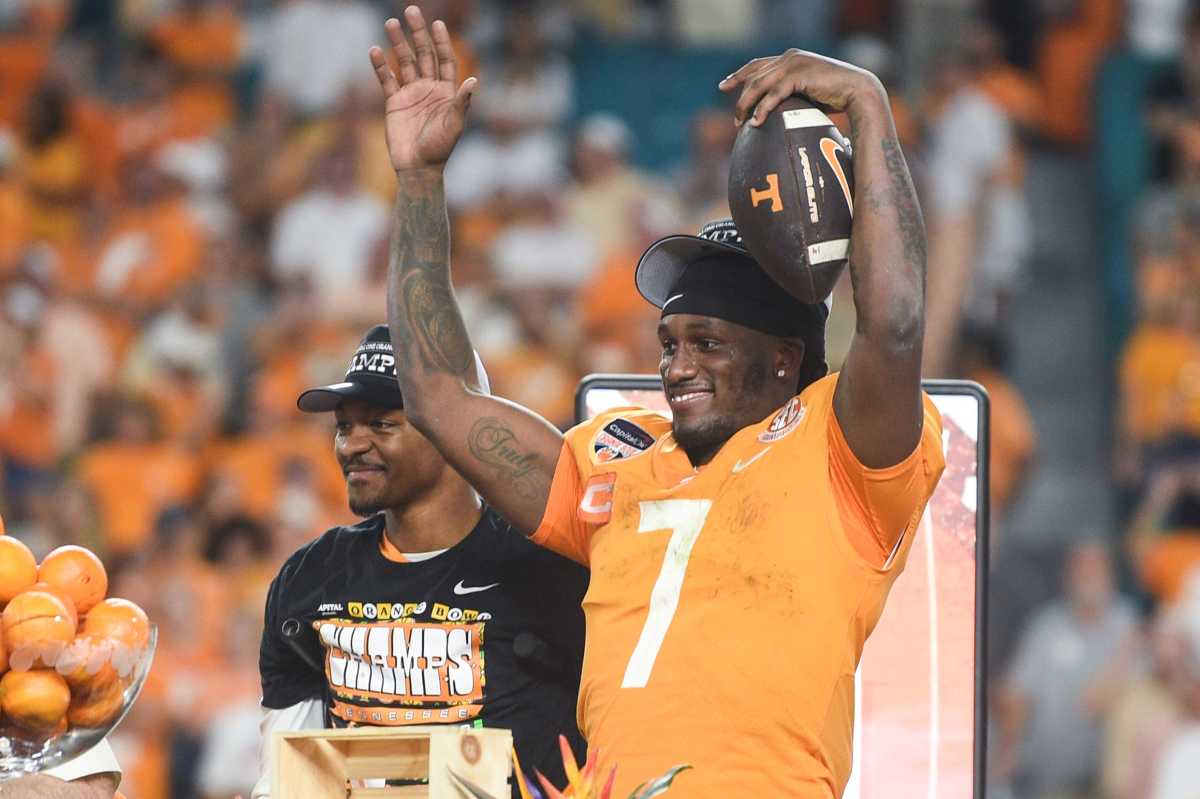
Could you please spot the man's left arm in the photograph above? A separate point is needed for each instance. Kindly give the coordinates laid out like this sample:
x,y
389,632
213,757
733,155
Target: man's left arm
x,y
878,401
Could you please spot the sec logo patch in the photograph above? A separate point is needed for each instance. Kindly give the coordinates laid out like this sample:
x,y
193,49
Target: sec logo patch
x,y
786,420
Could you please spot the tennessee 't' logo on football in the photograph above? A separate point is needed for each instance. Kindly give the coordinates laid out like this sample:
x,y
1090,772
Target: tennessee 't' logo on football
x,y
771,192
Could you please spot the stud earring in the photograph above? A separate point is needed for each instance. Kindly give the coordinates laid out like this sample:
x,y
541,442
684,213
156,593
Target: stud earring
x,y
781,373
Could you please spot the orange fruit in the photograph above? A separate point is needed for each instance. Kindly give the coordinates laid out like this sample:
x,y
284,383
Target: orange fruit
x,y
87,663
58,592
3,652
78,573
120,620
36,700
18,567
37,618
96,708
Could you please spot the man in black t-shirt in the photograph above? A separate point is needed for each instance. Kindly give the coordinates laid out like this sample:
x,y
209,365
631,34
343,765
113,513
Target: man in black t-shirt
x,y
432,610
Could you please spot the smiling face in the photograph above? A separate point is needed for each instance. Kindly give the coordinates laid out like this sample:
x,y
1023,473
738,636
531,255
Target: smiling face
x,y
720,377
386,461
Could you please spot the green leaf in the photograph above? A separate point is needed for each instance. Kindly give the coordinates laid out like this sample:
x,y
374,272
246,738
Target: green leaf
x,y
655,787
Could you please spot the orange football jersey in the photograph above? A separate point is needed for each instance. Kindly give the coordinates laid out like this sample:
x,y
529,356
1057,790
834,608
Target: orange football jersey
x,y
729,604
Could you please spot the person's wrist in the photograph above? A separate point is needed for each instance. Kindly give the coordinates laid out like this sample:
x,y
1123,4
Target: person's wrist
x,y
424,173
868,107
868,97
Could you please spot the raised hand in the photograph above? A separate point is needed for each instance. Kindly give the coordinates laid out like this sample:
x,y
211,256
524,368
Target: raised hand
x,y
425,107
766,82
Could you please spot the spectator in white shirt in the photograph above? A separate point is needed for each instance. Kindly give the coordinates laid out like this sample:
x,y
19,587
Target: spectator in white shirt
x,y
314,49
525,98
332,235
1175,776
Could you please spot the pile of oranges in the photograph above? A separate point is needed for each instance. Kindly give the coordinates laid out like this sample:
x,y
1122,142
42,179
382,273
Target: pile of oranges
x,y
67,653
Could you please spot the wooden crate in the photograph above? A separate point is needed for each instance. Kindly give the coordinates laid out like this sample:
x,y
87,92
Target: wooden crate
x,y
327,764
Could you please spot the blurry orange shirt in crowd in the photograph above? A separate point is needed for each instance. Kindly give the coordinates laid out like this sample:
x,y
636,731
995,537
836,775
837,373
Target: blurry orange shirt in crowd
x,y
206,46
57,178
257,461
14,223
23,61
1160,383
76,277
94,121
1067,60
1011,436
149,254
132,484
613,312
530,376
1168,563
210,40
25,435
186,408
199,110
193,614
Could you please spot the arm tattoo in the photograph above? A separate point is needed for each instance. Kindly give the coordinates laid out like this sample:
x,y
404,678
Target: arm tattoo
x,y
887,249
912,226
494,443
426,322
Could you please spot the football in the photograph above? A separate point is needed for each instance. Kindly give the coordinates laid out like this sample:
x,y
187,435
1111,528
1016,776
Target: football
x,y
791,187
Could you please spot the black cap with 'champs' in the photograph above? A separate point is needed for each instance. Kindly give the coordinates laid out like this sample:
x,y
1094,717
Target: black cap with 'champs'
x,y
370,378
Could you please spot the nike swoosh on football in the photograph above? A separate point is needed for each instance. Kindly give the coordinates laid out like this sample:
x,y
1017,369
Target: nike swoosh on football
x,y
463,590
671,300
740,466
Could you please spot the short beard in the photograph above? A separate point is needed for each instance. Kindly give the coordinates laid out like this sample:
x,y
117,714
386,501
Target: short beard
x,y
702,441
367,506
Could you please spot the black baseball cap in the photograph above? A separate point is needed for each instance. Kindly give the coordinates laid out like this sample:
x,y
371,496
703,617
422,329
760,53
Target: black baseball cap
x,y
661,268
370,378
713,274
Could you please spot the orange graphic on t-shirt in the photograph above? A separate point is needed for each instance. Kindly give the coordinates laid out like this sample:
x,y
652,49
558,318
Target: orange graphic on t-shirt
x,y
403,715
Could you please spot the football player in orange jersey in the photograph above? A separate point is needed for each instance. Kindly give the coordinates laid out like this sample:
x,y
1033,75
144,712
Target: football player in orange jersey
x,y
742,552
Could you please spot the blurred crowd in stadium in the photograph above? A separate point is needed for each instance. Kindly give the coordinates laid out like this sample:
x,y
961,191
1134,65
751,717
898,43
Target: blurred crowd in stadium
x,y
194,208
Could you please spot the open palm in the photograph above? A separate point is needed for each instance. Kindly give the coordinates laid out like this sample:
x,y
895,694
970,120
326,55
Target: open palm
x,y
425,108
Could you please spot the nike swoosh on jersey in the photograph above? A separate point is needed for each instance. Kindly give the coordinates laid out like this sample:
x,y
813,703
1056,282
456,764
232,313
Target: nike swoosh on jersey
x,y
741,466
463,590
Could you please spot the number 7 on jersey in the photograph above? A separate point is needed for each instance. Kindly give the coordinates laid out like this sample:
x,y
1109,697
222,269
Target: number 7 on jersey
x,y
684,518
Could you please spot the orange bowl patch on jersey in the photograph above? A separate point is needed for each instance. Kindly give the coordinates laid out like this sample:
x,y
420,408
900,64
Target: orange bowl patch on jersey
x,y
619,439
